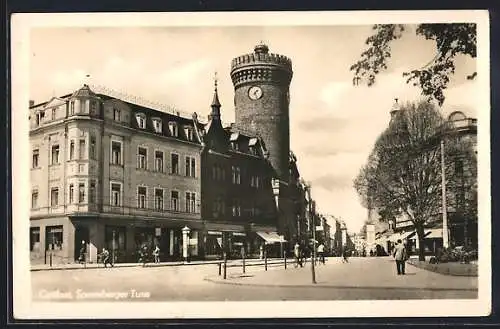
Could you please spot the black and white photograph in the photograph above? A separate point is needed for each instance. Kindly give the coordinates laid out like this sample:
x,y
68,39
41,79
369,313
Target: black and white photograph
x,y
225,165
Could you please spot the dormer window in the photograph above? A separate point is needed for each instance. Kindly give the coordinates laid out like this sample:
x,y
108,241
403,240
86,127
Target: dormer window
x,y
174,130
189,133
157,125
117,114
235,146
93,107
141,120
253,150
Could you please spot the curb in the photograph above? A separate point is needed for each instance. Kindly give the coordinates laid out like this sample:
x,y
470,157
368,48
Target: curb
x,y
471,272
152,265
331,286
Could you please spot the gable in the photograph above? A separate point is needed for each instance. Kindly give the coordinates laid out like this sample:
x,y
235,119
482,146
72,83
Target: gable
x,y
54,102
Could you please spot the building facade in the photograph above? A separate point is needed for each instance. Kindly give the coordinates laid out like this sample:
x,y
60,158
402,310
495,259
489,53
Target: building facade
x,y
109,173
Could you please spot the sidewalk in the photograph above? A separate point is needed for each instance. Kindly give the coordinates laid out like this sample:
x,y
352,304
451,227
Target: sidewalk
x,y
230,263
359,273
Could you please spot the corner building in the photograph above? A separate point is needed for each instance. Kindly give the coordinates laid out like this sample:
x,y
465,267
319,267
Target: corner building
x,y
113,174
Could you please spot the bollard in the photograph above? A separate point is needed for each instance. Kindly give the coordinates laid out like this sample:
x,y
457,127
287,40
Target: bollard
x,y
284,255
225,266
50,259
45,257
220,268
265,259
243,255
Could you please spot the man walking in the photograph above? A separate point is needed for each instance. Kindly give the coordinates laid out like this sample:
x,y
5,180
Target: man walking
x,y
345,255
400,255
106,258
296,253
321,253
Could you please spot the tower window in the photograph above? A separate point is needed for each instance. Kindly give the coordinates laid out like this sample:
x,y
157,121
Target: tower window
x,y
34,199
72,108
82,149
92,198
72,150
81,192
71,193
92,146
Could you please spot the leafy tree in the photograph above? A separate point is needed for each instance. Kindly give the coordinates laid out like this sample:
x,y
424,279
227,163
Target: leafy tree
x,y
402,176
433,78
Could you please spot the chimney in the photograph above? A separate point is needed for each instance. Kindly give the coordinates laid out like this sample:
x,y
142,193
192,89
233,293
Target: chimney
x,y
32,103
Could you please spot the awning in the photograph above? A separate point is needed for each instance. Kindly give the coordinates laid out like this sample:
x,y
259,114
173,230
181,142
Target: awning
x,y
252,141
436,233
407,235
394,237
271,237
234,137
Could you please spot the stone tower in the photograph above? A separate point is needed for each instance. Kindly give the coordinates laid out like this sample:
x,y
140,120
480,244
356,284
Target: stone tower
x,y
261,82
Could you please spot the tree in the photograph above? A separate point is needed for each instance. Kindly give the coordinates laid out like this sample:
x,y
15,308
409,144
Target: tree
x,y
402,176
433,78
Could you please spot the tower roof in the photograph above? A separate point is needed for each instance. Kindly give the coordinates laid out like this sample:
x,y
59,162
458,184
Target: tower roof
x,y
261,48
84,92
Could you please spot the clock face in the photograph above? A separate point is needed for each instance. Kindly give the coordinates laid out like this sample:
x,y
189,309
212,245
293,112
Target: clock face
x,y
255,92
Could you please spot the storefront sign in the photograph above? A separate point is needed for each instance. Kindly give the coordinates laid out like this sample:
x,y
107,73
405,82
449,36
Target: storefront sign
x,y
214,233
239,234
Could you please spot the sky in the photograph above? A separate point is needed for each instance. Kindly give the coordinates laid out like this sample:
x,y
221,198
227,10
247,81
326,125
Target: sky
x,y
333,125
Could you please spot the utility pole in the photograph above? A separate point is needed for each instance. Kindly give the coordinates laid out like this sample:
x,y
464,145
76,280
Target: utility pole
x,y
444,210
313,227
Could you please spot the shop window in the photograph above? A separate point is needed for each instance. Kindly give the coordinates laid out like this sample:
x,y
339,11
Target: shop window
x,y
34,238
54,237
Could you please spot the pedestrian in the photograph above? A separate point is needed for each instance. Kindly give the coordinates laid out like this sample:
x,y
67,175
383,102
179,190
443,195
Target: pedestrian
x,y
296,253
401,256
156,253
106,259
261,249
321,253
83,251
345,255
143,254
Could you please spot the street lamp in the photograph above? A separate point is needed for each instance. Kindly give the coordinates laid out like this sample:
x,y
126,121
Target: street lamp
x,y
313,227
185,242
446,242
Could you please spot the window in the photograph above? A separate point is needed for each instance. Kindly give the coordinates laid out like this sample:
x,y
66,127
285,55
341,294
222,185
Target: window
x,y
253,150
159,199
174,130
93,106
190,202
175,163
53,114
116,191
141,197
71,193
189,133
214,172
141,120
117,115
81,149
34,238
36,157
236,175
34,199
190,167
174,201
252,181
92,198
55,154
235,146
54,237
142,155
92,154
157,125
72,108
116,153
81,192
54,197
159,161
219,206
72,150
257,181
236,208
459,167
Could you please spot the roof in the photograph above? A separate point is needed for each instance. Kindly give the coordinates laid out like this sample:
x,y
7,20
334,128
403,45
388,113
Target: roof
x,y
84,92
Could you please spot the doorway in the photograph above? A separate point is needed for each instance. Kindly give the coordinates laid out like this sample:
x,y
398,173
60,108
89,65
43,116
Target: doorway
x,y
81,234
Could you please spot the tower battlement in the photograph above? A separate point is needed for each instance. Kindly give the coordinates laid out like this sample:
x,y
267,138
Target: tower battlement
x,y
261,66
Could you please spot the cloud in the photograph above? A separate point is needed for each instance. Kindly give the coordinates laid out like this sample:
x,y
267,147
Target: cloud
x,y
332,181
185,73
